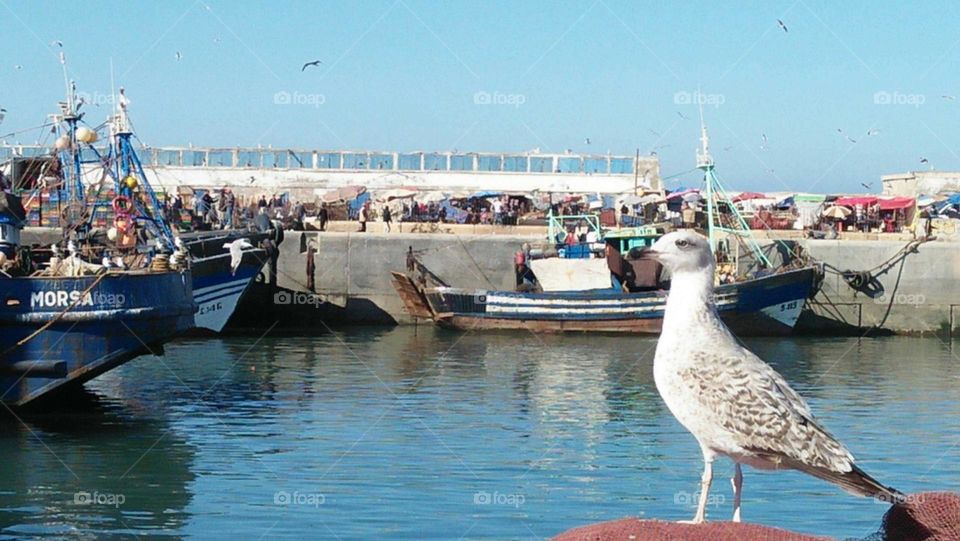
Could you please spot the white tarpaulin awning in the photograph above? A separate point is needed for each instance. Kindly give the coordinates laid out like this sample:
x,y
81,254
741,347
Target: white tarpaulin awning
x,y
559,274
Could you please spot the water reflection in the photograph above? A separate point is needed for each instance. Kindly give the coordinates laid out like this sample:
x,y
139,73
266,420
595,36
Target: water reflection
x,y
403,431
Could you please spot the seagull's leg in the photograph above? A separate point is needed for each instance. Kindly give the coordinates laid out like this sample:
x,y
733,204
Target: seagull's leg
x,y
737,482
704,491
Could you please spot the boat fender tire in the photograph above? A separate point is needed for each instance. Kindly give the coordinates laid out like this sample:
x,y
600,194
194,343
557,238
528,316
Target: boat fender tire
x,y
122,205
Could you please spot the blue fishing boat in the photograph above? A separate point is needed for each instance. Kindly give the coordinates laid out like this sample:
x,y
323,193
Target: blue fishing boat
x,y
605,285
82,306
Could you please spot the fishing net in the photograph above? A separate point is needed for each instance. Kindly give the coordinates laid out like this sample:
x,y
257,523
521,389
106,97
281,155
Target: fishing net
x,y
927,516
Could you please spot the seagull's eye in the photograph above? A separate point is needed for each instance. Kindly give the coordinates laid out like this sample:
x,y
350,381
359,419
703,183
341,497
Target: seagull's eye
x,y
682,243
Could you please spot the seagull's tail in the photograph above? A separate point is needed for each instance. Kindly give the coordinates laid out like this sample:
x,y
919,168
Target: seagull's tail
x,y
857,482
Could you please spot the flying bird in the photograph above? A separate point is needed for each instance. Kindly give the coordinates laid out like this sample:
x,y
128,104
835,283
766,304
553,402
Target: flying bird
x,y
315,63
3,114
236,252
18,67
217,39
587,140
924,160
867,185
946,97
177,55
763,141
783,26
682,115
851,139
731,401
871,133
57,42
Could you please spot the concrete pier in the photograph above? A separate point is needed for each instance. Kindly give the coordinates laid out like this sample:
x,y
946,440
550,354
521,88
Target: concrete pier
x,y
918,293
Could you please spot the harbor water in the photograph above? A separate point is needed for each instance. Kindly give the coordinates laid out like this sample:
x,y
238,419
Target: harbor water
x,y
419,433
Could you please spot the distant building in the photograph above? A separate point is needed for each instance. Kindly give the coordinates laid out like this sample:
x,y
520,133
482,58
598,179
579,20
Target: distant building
x,y
915,183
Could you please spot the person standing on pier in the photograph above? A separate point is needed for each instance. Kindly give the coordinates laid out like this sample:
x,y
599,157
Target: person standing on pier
x,y
689,215
363,216
387,217
323,215
229,204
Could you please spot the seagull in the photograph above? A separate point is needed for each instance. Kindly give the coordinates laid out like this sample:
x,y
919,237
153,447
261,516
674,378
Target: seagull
x,y
871,133
682,115
3,114
57,42
18,67
177,55
851,139
315,63
924,160
236,253
217,39
733,403
947,97
783,26
867,185
763,141
587,140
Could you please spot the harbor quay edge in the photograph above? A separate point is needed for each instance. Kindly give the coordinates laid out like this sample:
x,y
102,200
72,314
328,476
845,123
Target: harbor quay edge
x,y
918,293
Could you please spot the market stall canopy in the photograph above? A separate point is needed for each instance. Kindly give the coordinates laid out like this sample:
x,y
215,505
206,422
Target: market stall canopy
x,y
431,197
865,200
682,194
749,195
483,194
897,203
630,200
396,193
345,193
810,197
837,212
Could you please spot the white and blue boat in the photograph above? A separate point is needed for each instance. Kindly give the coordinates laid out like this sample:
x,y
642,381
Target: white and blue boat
x,y
620,291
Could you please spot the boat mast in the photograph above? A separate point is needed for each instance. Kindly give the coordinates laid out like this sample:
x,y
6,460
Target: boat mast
x,y
705,164
715,191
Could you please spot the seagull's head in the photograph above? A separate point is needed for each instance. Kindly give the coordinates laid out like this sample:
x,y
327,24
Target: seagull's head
x,y
682,252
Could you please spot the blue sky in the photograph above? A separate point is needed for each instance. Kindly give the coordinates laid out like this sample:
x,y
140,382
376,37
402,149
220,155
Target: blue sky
x,y
510,76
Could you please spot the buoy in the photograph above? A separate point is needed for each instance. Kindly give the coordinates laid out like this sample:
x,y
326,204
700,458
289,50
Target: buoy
x,y
112,234
131,182
86,135
62,143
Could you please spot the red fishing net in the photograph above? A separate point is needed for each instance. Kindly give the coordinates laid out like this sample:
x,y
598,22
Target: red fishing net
x,y
927,516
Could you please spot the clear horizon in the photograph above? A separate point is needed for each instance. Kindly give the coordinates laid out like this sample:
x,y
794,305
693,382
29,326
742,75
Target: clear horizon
x,y
845,94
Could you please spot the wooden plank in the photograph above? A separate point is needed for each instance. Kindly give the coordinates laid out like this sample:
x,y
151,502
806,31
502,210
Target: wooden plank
x,y
413,300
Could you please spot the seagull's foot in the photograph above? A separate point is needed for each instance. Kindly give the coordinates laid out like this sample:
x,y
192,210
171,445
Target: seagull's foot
x,y
736,516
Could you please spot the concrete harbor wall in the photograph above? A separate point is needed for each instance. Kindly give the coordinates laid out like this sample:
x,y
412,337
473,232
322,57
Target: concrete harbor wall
x,y
918,293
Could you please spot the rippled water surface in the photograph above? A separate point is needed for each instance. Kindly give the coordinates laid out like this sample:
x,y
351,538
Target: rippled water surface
x,y
427,434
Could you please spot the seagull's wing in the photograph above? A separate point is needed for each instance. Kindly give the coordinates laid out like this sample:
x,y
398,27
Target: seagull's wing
x,y
758,410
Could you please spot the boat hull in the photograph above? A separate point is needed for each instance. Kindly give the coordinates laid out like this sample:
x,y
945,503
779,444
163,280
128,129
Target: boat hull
x,y
217,287
769,305
122,316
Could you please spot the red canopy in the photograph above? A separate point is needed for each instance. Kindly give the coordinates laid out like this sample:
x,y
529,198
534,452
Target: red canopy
x,y
896,203
865,200
749,195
